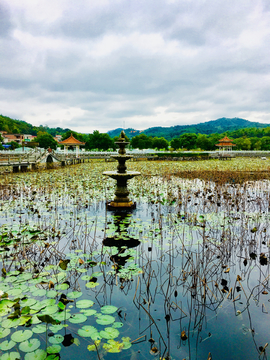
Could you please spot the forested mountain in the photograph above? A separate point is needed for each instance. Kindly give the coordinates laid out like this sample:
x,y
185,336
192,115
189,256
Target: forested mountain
x,y
218,126
22,127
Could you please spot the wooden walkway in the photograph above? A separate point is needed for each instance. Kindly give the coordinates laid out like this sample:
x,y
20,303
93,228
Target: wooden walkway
x,y
29,161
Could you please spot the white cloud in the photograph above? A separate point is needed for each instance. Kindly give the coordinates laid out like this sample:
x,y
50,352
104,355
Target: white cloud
x,y
99,64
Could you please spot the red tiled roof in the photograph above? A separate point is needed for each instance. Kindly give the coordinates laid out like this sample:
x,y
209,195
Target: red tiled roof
x,y
71,141
225,142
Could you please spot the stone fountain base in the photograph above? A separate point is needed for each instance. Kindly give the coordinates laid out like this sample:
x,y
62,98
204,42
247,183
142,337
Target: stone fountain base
x,y
121,205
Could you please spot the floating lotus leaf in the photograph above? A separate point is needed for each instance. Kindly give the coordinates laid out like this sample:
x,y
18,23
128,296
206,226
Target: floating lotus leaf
x,y
56,339
55,328
24,277
126,342
117,325
84,304
39,292
29,345
28,302
51,293
8,323
81,270
105,319
48,302
38,306
39,329
20,335
49,310
4,303
24,288
74,294
86,277
108,309
97,274
4,311
89,312
10,279
89,331
38,354
7,345
4,332
113,346
13,272
91,284
93,347
14,292
53,349
77,318
24,319
35,320
109,333
62,316
62,287
11,356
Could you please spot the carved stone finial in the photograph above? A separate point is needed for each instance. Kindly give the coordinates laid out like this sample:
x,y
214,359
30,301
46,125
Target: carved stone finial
x,y
122,136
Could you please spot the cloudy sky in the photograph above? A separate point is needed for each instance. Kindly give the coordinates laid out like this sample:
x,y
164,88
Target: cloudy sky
x,y
102,64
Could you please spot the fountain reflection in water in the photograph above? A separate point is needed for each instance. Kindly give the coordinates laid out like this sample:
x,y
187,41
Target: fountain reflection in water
x,y
121,199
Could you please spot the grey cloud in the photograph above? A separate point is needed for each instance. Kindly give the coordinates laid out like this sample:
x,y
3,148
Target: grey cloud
x,y
5,21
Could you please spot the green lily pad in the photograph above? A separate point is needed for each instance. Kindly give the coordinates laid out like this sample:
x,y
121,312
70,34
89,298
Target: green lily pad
x,y
14,292
74,294
86,277
54,349
62,316
4,332
89,331
39,292
51,293
38,354
77,318
28,302
39,329
91,284
7,345
11,356
24,277
108,309
52,357
105,319
117,325
62,287
84,304
29,345
88,312
109,333
49,310
56,339
55,328
48,302
35,320
20,335
8,323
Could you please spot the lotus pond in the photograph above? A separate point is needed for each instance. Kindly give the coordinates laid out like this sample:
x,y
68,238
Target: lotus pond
x,y
183,276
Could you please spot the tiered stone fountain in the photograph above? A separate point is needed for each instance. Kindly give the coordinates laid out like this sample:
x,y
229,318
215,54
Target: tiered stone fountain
x,y
121,200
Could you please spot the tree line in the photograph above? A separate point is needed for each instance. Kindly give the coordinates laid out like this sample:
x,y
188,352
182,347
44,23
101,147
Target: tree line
x,y
244,139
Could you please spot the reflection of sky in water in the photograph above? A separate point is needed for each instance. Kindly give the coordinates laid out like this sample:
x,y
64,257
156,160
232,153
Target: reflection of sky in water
x,y
180,246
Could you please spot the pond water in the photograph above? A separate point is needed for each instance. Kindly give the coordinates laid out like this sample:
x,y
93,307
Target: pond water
x,y
183,276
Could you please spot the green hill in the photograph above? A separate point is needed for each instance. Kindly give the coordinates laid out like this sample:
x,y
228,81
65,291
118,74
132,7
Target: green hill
x,y
218,126
22,127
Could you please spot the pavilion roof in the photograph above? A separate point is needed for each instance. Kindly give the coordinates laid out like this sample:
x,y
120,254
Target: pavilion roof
x,y
225,142
71,141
